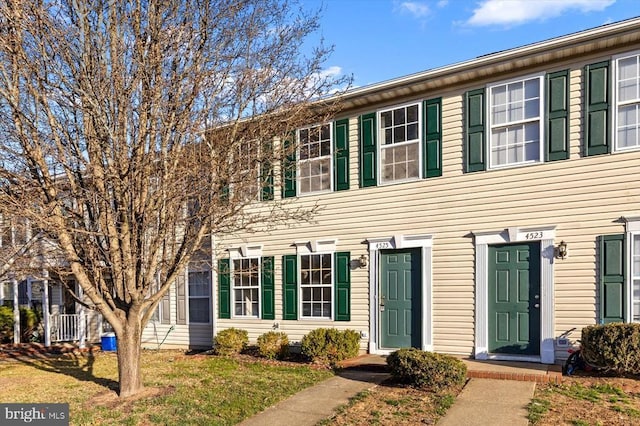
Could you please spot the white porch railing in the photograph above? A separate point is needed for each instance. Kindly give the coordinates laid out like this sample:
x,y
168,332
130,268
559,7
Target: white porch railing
x,y
69,327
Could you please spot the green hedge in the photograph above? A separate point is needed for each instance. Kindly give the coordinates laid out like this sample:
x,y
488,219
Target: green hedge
x,y
273,345
231,341
329,345
30,325
426,370
6,324
614,347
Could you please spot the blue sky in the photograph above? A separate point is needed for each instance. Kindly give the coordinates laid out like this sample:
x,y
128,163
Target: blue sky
x,y
378,40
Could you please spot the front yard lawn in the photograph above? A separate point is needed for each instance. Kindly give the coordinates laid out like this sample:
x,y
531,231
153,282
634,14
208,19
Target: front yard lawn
x,y
587,401
180,388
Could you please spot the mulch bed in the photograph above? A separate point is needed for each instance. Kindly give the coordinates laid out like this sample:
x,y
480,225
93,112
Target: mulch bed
x,y
38,350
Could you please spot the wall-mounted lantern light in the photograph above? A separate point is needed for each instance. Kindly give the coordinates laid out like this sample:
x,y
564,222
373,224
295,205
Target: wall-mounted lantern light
x,y
561,251
363,261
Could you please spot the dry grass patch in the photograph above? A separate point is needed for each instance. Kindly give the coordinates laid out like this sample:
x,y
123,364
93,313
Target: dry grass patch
x,y
394,404
587,401
179,388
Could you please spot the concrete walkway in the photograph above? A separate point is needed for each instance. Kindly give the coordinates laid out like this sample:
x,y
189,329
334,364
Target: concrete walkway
x,y
318,402
491,402
496,394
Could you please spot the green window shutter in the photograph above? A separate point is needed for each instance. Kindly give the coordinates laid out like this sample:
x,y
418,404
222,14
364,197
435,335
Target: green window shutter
x,y
341,155
290,287
266,172
557,141
342,286
268,289
612,278
368,150
596,109
224,288
289,168
474,125
181,300
432,138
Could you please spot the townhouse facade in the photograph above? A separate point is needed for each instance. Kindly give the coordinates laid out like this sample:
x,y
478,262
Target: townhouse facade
x,y
489,208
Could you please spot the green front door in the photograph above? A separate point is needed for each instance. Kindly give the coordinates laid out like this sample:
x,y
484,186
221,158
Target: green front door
x,y
514,299
400,298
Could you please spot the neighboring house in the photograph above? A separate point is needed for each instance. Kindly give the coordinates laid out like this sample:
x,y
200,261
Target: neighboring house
x,y
28,280
485,208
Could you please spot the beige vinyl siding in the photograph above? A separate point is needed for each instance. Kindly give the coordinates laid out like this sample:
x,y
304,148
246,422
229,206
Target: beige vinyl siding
x,y
194,336
582,197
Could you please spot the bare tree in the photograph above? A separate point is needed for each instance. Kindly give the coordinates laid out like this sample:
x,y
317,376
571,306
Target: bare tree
x,y
134,129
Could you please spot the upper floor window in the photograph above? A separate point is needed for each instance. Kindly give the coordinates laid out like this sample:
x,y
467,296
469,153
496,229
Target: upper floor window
x,y
400,143
627,101
248,183
246,287
315,159
515,118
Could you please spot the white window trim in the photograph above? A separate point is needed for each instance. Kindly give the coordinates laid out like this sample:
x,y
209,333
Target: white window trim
x,y
233,288
632,227
305,248
380,138
330,156
245,251
189,297
614,103
490,125
546,236
331,286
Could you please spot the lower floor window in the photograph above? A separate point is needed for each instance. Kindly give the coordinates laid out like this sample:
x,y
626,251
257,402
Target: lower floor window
x,y
199,296
246,287
316,283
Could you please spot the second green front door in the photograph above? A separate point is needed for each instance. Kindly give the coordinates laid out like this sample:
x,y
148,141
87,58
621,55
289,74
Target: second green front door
x,y
514,299
400,282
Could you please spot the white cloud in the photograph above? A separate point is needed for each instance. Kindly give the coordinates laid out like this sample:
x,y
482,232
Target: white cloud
x,y
417,9
516,12
330,72
442,3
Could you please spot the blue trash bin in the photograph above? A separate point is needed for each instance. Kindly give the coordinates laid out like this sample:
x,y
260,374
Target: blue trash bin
x,y
108,341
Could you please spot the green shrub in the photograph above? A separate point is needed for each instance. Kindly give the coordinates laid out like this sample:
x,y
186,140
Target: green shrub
x,y
6,324
273,345
614,347
30,322
329,345
426,370
231,341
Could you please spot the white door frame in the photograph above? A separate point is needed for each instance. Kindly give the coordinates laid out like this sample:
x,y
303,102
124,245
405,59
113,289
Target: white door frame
x,y
545,235
395,242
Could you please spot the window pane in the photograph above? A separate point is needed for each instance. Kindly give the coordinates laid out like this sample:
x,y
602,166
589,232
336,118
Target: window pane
x,y
199,310
399,134
385,119
412,131
412,114
398,116
388,136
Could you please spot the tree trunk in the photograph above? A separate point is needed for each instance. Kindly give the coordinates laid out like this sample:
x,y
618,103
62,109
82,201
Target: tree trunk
x,y
129,360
